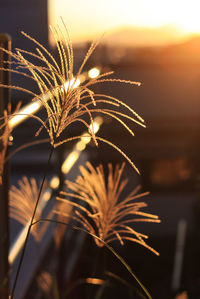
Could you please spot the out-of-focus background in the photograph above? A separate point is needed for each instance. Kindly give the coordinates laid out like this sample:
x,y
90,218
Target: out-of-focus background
x,y
156,43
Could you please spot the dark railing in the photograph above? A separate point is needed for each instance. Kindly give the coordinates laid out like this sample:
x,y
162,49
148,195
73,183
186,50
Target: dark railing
x,y
5,42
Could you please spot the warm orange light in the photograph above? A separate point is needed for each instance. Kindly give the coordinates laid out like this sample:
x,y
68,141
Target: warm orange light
x,y
96,124
34,107
105,16
95,281
72,84
187,16
94,72
70,161
54,183
24,113
80,146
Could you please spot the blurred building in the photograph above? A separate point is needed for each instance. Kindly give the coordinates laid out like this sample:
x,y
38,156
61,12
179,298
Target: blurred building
x,y
166,152
30,17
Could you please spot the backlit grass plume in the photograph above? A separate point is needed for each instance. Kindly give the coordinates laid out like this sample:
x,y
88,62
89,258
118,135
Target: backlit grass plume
x,y
22,201
68,98
100,208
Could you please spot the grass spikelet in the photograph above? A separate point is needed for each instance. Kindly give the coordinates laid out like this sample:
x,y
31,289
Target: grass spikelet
x,y
65,99
22,202
100,209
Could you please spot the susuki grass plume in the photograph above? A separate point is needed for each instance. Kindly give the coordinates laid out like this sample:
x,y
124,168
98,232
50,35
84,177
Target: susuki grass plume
x,y
65,98
100,209
22,201
68,100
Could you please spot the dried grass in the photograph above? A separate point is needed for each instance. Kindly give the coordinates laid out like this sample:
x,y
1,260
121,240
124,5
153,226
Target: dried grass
x,y
22,202
100,209
65,100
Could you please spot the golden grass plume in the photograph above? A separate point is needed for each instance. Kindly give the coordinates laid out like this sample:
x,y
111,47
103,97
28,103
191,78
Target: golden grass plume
x,y
100,209
21,205
65,98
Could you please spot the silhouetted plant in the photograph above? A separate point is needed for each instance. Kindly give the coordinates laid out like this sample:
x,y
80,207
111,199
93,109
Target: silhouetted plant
x,y
65,100
101,210
22,202
68,100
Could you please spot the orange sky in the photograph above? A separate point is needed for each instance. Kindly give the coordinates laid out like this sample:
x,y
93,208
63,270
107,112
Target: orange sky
x,y
88,18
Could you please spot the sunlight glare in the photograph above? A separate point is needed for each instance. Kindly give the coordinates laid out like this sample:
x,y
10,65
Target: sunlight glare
x,y
105,16
94,72
55,182
70,161
72,84
24,113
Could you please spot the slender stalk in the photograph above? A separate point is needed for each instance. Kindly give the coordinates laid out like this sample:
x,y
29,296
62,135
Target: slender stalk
x,y
128,268
29,228
89,289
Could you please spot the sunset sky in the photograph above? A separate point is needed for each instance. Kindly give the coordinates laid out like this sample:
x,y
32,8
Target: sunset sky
x,y
88,18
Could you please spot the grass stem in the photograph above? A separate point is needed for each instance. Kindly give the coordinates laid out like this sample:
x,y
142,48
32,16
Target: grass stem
x,y
29,228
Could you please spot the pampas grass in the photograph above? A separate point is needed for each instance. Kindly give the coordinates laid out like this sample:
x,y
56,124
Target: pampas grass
x,y
22,201
66,100
100,208
97,203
